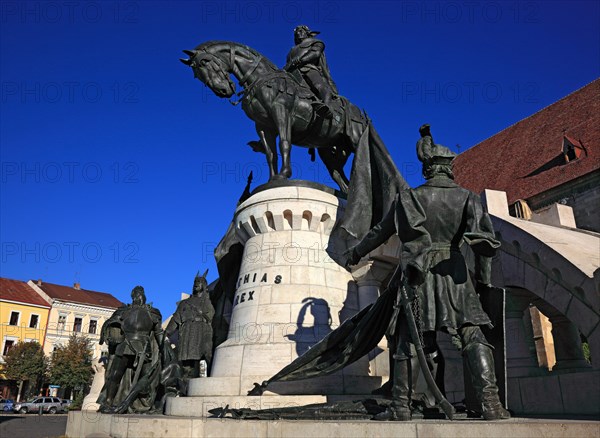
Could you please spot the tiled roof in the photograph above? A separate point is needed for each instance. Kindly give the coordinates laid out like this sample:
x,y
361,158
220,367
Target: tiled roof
x,y
82,296
15,290
525,159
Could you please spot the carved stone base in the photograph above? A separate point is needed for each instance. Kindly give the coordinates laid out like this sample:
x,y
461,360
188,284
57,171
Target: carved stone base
x,y
84,424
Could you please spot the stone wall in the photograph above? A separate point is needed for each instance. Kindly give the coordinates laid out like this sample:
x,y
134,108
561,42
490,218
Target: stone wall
x,y
586,207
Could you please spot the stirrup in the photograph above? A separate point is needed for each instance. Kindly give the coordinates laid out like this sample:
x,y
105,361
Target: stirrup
x,y
323,110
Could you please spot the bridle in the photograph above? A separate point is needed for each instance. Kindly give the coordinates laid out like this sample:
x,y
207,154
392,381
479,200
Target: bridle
x,y
243,81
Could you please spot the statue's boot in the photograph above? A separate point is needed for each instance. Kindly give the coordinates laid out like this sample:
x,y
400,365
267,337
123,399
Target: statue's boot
x,y
480,362
385,390
399,409
322,91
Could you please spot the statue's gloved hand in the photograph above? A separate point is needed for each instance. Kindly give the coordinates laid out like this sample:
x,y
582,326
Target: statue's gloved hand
x,y
294,63
352,257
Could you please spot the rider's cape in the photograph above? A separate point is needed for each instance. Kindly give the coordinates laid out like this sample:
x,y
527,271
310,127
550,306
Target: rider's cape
x,y
346,344
374,183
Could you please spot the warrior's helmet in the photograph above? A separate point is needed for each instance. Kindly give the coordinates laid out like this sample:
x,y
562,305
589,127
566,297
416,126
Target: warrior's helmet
x,y
138,291
200,283
436,159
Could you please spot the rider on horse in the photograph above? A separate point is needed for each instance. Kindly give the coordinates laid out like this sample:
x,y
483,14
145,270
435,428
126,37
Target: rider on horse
x,y
307,57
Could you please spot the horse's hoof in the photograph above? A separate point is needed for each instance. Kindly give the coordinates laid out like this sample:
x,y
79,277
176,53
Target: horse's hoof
x,y
278,177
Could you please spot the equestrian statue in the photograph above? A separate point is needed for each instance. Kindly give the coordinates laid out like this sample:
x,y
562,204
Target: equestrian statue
x,y
292,104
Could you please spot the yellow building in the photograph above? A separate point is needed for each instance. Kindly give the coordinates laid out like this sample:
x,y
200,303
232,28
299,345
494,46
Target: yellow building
x,y
23,318
74,310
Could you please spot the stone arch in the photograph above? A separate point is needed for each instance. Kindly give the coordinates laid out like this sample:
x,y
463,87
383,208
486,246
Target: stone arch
x,y
554,282
541,267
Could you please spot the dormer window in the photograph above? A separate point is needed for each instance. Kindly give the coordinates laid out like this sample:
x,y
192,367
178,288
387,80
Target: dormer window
x,y
572,149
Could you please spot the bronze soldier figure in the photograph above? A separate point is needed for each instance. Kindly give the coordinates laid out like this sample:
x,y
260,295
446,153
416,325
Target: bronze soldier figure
x,y
308,58
133,373
435,267
193,322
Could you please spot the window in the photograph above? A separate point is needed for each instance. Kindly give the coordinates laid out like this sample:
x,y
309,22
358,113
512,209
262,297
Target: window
x,y
14,318
8,344
93,326
77,325
520,209
34,321
572,149
62,321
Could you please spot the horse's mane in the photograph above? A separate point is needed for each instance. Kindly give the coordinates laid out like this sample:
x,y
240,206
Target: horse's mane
x,y
210,44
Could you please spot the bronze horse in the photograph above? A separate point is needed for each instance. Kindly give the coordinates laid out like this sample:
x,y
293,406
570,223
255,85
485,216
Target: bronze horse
x,y
280,104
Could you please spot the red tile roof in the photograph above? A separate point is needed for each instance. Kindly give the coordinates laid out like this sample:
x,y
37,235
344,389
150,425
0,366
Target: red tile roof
x,y
82,296
523,160
15,290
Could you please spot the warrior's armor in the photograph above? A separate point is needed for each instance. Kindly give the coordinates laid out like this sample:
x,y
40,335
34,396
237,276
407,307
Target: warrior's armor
x,y
193,322
137,323
307,58
135,335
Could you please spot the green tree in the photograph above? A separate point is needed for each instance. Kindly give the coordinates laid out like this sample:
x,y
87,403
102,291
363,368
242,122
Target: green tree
x,y
26,363
71,364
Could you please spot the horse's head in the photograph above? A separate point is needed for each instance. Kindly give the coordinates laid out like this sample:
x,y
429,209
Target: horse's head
x,y
211,71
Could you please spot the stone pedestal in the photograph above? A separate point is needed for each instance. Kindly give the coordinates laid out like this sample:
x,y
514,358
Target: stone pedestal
x,y
86,424
290,294
89,402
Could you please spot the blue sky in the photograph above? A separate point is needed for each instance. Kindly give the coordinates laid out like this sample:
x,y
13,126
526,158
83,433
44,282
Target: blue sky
x,y
119,168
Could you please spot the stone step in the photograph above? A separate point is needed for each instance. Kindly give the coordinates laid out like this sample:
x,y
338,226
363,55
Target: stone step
x,y
92,424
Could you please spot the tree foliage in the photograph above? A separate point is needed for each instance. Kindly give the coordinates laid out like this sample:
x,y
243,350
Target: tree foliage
x,y
26,362
71,365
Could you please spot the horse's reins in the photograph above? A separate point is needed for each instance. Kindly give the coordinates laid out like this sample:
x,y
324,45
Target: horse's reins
x,y
243,79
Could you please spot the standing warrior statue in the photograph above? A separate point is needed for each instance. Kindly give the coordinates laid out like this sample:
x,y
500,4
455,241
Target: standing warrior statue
x,y
307,58
133,373
193,321
444,296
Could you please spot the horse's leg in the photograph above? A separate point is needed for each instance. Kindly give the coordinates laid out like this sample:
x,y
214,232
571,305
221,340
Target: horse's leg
x,y
283,123
271,138
271,148
335,160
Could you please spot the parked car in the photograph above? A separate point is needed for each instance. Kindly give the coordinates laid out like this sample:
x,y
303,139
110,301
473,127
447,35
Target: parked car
x,y
6,404
51,405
